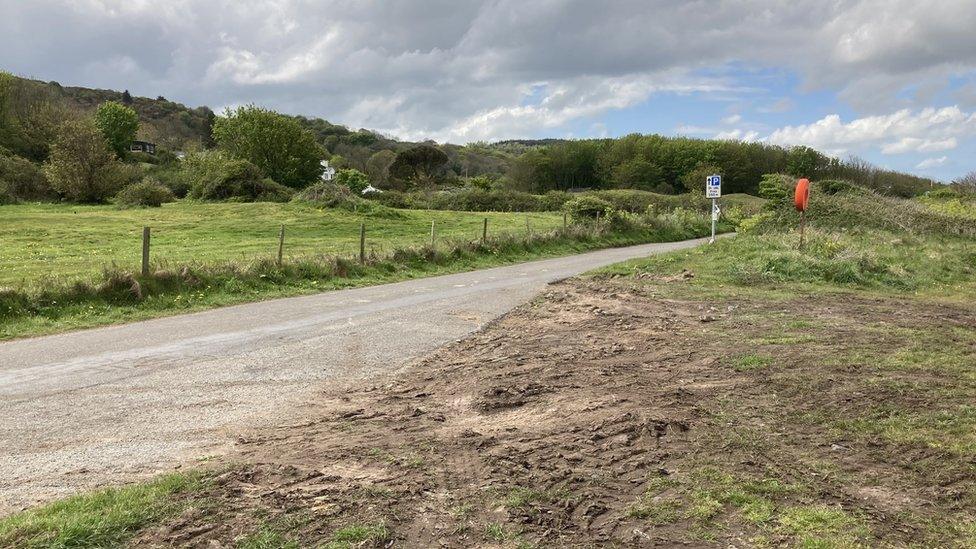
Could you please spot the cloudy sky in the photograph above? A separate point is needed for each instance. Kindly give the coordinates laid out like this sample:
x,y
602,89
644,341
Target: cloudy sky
x,y
892,81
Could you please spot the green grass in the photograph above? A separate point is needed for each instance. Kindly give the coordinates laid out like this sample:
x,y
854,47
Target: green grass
x,y
357,534
55,304
771,264
67,242
751,362
105,518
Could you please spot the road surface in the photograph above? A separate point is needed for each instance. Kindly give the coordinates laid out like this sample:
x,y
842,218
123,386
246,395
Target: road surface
x,y
101,406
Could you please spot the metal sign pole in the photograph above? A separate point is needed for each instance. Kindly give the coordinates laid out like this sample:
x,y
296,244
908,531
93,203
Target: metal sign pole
x,y
714,218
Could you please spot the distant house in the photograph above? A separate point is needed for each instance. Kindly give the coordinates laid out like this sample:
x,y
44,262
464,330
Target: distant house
x,y
143,146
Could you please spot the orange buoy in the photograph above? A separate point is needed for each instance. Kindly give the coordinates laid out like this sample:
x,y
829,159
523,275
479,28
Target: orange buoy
x,y
801,197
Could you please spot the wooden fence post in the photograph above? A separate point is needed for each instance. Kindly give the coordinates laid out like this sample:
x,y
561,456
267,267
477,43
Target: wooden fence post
x,y
362,243
145,251
484,232
281,244
432,233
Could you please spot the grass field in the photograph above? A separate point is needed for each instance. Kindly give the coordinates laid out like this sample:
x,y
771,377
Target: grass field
x,y
64,242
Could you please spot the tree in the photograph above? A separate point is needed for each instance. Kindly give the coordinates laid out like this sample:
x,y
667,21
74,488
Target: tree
x,y
966,184
378,167
419,164
118,124
694,181
804,162
637,174
81,167
277,144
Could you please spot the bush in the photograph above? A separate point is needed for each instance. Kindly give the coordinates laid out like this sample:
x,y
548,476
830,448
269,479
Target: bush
x,y
774,187
215,176
173,177
834,186
943,193
147,193
141,158
327,194
352,179
21,180
81,166
585,207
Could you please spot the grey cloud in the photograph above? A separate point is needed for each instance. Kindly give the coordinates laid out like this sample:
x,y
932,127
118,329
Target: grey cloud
x,y
430,68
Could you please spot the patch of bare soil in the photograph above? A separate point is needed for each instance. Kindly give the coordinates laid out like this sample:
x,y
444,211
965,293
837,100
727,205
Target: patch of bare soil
x,y
604,415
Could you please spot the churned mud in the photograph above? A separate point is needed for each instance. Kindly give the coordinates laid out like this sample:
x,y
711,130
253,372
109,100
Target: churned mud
x,y
606,413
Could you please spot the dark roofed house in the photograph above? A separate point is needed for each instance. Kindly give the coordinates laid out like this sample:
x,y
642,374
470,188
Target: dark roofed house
x,y
143,146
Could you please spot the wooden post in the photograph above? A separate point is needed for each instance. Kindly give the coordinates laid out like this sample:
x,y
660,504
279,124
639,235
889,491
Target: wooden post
x,y
145,251
362,243
564,221
432,233
281,244
484,232
527,229
803,223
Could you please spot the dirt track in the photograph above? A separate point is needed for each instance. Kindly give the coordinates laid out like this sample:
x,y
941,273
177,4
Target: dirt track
x,y
99,407
603,414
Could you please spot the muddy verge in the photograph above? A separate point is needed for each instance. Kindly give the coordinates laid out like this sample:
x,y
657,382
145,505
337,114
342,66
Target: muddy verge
x,y
605,414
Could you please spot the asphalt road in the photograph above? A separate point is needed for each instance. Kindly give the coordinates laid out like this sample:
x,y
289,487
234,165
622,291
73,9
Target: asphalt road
x,y
101,406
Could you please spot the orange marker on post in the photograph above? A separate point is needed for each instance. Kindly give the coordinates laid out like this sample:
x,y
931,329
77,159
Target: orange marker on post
x,y
801,199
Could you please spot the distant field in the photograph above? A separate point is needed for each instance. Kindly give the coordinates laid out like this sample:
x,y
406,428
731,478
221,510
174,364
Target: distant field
x,y
67,242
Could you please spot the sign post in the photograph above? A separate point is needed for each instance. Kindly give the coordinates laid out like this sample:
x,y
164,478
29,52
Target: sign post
x,y
713,190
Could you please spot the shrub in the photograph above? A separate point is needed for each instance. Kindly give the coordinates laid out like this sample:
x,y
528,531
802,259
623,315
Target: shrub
x,y
81,167
834,186
327,194
173,177
141,157
21,180
585,207
774,187
944,192
352,179
147,193
216,176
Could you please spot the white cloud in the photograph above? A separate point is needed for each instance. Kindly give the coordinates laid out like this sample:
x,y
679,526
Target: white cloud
x,y
732,119
929,129
738,135
916,144
929,163
459,70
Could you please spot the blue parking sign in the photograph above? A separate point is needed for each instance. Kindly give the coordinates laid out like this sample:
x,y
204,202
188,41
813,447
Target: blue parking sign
x,y
713,186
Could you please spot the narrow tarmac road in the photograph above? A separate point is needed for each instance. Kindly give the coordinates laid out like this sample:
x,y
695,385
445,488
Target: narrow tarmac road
x,y
102,406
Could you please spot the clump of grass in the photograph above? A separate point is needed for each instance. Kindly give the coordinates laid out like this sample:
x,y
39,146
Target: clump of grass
x,y
817,526
105,518
655,511
357,534
746,363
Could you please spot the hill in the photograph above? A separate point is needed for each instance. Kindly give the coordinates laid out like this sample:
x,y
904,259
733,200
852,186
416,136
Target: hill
x,y
646,162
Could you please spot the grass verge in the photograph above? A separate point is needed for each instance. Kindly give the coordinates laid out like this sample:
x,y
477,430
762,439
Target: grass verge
x,y
105,518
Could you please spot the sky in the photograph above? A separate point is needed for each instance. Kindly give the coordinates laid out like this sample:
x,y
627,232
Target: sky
x,y
891,81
